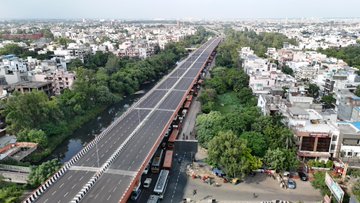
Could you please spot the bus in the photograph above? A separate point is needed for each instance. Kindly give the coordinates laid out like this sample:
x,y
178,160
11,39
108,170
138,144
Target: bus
x,y
155,166
161,183
168,159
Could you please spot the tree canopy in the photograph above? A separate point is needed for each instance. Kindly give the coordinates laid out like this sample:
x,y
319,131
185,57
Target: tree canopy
x,y
40,173
350,54
231,123
313,90
232,154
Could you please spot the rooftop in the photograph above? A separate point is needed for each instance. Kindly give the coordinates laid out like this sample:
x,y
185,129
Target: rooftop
x,y
297,111
29,84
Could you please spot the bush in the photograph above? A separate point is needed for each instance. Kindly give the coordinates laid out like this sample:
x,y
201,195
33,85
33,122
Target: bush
x,y
320,164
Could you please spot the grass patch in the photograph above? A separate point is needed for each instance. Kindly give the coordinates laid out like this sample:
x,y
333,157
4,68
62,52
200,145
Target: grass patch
x,y
227,103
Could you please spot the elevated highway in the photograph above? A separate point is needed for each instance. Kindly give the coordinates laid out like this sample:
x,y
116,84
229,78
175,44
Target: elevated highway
x,y
109,167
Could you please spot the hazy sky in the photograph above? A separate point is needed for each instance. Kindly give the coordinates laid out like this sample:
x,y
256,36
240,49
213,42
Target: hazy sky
x,y
178,9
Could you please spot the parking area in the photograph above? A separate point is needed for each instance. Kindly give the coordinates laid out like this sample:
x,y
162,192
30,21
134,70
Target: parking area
x,y
181,186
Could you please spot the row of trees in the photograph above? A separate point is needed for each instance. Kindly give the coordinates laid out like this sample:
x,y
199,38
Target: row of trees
x,y
102,80
228,51
349,54
9,192
23,52
241,139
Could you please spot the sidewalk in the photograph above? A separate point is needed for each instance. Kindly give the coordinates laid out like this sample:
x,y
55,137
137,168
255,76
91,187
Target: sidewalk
x,y
187,132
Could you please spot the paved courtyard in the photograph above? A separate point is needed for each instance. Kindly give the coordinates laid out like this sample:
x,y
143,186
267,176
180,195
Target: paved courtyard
x,y
266,188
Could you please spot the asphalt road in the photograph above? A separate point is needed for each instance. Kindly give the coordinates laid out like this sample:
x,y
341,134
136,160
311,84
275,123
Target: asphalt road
x,y
66,187
153,122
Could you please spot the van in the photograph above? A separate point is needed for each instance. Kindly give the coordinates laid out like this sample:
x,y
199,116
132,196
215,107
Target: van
x,y
147,182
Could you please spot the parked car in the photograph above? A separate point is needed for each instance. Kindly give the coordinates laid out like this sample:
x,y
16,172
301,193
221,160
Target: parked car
x,y
291,184
147,182
135,194
303,176
146,170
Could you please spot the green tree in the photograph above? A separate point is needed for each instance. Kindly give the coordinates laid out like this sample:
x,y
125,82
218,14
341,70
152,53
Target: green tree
x,y
328,101
357,91
279,137
281,159
356,189
12,49
313,90
232,154
241,120
319,183
287,70
39,174
30,110
64,41
256,142
207,126
37,136
208,95
75,63
246,96
10,192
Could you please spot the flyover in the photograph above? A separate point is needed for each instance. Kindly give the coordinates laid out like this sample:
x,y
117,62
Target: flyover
x,y
109,167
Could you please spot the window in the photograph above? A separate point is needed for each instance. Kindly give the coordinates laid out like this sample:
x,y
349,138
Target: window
x,y
349,153
358,141
334,137
332,147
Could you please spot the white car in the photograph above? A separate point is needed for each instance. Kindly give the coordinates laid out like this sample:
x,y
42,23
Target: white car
x,y
147,182
146,170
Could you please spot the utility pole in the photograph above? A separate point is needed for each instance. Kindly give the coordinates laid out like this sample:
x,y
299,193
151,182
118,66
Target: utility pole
x,y
97,152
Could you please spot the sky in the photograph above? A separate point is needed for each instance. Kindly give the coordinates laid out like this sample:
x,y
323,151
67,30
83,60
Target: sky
x,y
178,9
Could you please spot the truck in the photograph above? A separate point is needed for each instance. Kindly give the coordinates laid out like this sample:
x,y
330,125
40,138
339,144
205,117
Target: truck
x,y
172,138
168,159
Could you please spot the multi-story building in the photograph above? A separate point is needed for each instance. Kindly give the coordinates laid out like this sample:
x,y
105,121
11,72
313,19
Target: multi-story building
x,y
12,70
28,86
348,143
349,108
316,136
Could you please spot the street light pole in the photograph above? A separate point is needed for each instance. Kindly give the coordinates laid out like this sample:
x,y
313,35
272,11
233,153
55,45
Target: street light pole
x,y
97,152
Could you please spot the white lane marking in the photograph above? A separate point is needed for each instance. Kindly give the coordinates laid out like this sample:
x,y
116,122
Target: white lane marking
x,y
114,189
66,194
108,198
177,179
62,184
53,193
81,178
46,200
69,177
